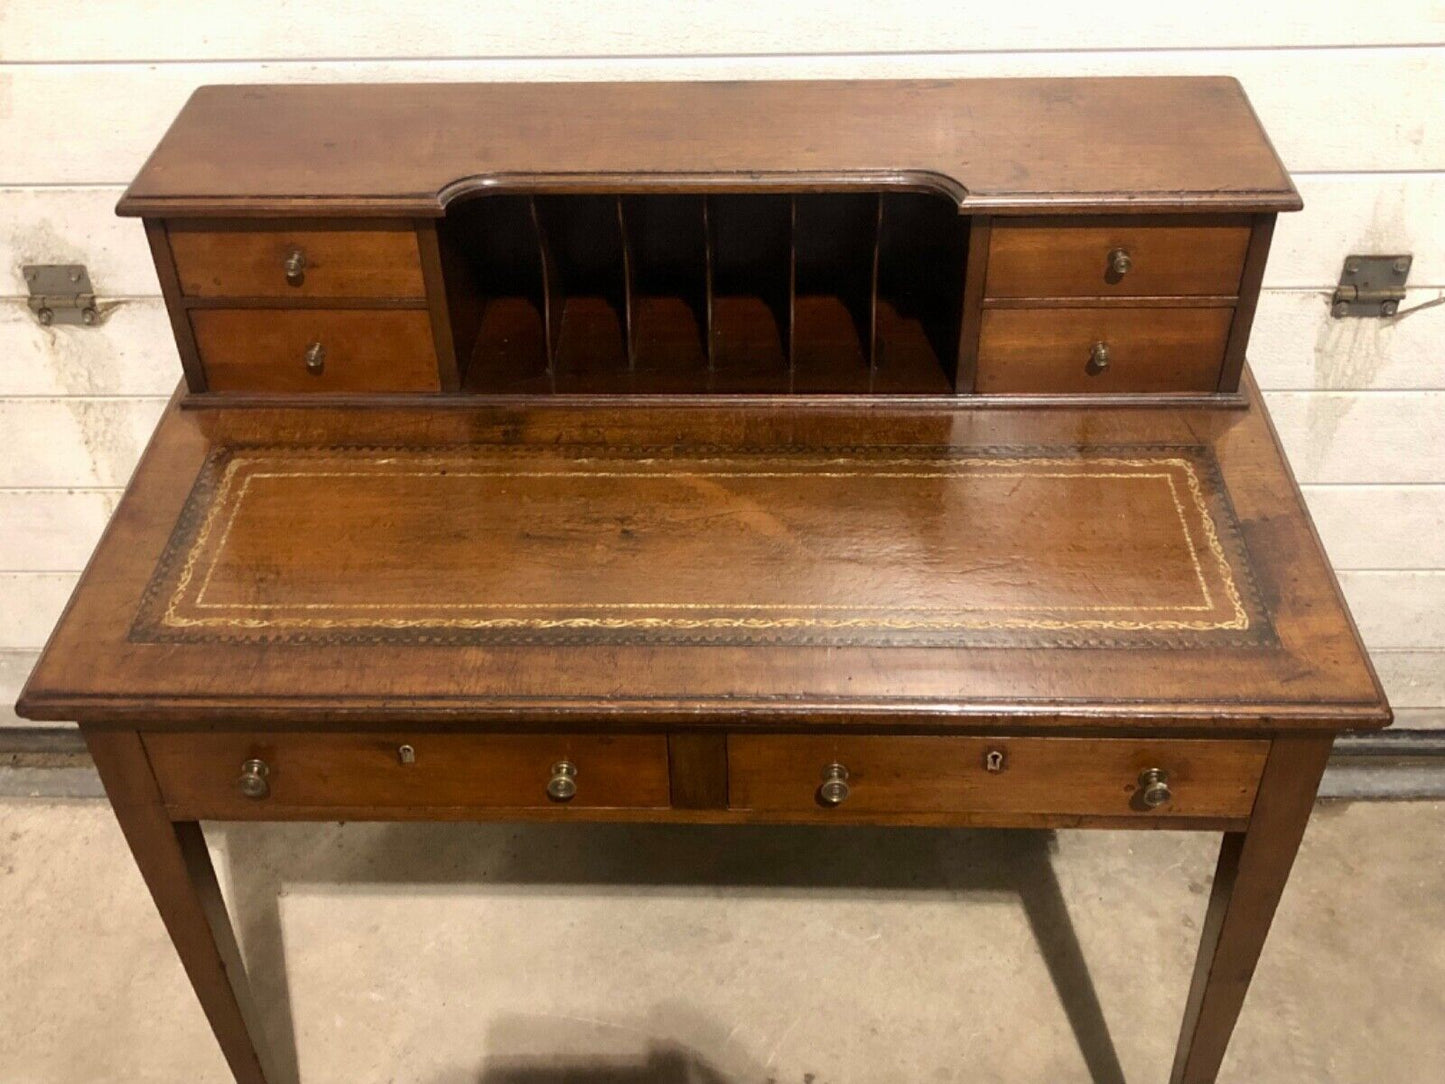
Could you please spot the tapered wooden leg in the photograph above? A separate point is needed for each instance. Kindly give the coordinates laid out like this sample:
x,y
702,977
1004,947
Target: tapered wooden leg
x,y
177,868
1253,868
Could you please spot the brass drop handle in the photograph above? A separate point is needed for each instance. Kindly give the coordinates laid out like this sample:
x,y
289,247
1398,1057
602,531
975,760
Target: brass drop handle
x,y
562,787
1154,788
1098,359
255,780
1120,262
315,359
295,267
834,789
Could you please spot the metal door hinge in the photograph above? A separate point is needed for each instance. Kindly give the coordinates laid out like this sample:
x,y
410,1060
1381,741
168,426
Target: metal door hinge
x,y
60,293
1371,286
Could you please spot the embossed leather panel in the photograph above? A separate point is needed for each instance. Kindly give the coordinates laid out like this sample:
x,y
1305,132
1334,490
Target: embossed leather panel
x,y
862,546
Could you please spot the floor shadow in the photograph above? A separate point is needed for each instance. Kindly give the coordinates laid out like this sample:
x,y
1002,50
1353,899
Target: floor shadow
x,y
664,1063
267,859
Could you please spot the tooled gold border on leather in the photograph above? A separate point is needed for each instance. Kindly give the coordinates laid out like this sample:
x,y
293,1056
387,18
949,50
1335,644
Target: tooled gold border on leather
x,y
168,615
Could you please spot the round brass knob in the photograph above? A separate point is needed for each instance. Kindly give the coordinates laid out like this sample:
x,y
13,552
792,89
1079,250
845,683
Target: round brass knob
x,y
1154,788
255,780
1098,359
315,359
1120,262
295,267
562,787
834,789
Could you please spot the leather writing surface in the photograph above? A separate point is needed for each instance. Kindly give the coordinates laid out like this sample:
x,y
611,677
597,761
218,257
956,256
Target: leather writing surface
x,y
861,546
1297,664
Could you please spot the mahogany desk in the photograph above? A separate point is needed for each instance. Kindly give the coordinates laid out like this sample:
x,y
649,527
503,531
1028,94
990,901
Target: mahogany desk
x,y
713,454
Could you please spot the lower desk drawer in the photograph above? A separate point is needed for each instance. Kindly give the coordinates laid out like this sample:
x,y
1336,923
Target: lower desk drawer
x,y
1101,350
316,350
874,775
241,775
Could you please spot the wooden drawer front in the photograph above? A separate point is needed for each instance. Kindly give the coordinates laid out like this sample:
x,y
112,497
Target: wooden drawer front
x,y
939,775
365,349
199,773
1070,257
252,262
1149,350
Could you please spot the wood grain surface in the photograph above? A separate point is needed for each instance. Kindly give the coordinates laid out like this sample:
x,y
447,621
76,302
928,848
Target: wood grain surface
x,y
634,545
1254,867
1313,673
1060,256
1016,144
197,773
232,259
924,774
264,350
1150,349
176,865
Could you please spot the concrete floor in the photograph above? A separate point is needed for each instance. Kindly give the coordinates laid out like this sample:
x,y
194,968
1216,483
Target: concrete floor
x,y
620,955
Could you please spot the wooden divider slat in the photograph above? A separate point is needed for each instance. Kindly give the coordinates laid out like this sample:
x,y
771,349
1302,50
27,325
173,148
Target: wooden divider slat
x,y
699,289
495,283
813,292
835,250
584,233
790,321
749,241
553,298
666,252
709,286
871,346
629,314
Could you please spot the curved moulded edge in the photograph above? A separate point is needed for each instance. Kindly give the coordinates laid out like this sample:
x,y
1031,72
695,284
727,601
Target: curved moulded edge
x,y
702,183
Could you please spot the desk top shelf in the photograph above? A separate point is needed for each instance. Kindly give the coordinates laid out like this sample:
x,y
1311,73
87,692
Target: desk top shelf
x,y
889,240
1002,146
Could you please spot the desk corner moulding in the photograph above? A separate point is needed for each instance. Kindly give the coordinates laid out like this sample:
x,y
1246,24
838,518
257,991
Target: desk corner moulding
x,y
714,453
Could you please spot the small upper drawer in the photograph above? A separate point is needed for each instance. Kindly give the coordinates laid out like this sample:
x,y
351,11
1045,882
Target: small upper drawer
x,y
238,775
900,775
234,259
305,350
1102,349
1149,256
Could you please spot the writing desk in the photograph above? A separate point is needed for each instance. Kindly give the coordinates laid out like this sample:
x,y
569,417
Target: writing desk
x,y
513,482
